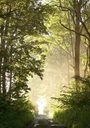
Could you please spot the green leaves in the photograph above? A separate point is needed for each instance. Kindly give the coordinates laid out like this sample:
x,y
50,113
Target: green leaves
x,y
23,48
75,106
16,114
72,98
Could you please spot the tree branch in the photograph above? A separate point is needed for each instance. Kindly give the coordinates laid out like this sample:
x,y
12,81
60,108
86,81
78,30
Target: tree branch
x,y
73,30
86,29
85,3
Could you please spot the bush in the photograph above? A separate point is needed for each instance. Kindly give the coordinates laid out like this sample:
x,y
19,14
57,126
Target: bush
x,y
16,114
74,118
74,111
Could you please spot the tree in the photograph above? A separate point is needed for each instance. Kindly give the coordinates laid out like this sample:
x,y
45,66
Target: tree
x,y
71,29
19,57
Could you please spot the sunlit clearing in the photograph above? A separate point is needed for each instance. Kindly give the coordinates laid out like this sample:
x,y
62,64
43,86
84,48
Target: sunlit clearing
x,y
41,105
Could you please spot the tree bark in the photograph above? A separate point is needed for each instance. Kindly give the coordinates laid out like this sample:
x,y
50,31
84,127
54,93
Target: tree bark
x,y
89,59
77,41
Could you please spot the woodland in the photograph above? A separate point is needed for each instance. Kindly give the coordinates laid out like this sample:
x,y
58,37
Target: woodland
x,y
27,29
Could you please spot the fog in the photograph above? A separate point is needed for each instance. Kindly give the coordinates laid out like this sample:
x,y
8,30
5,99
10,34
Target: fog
x,y
56,75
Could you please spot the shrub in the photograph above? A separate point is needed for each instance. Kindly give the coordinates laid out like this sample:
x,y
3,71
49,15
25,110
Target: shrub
x,y
74,109
16,114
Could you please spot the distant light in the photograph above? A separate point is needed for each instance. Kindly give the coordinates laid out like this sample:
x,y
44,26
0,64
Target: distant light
x,y
41,105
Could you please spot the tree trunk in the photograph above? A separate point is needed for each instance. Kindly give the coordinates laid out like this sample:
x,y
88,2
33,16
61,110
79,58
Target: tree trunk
x,y
77,51
3,61
77,42
89,59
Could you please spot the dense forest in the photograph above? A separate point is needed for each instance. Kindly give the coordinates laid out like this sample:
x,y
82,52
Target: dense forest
x,y
28,28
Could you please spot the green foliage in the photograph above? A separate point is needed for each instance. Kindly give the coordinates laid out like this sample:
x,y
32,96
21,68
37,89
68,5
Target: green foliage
x,y
16,114
74,109
19,57
74,118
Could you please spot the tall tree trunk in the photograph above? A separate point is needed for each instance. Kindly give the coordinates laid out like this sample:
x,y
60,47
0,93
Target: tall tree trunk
x,y
4,61
11,73
5,57
77,41
4,79
77,50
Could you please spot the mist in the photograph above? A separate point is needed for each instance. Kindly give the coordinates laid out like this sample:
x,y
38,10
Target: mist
x,y
56,75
